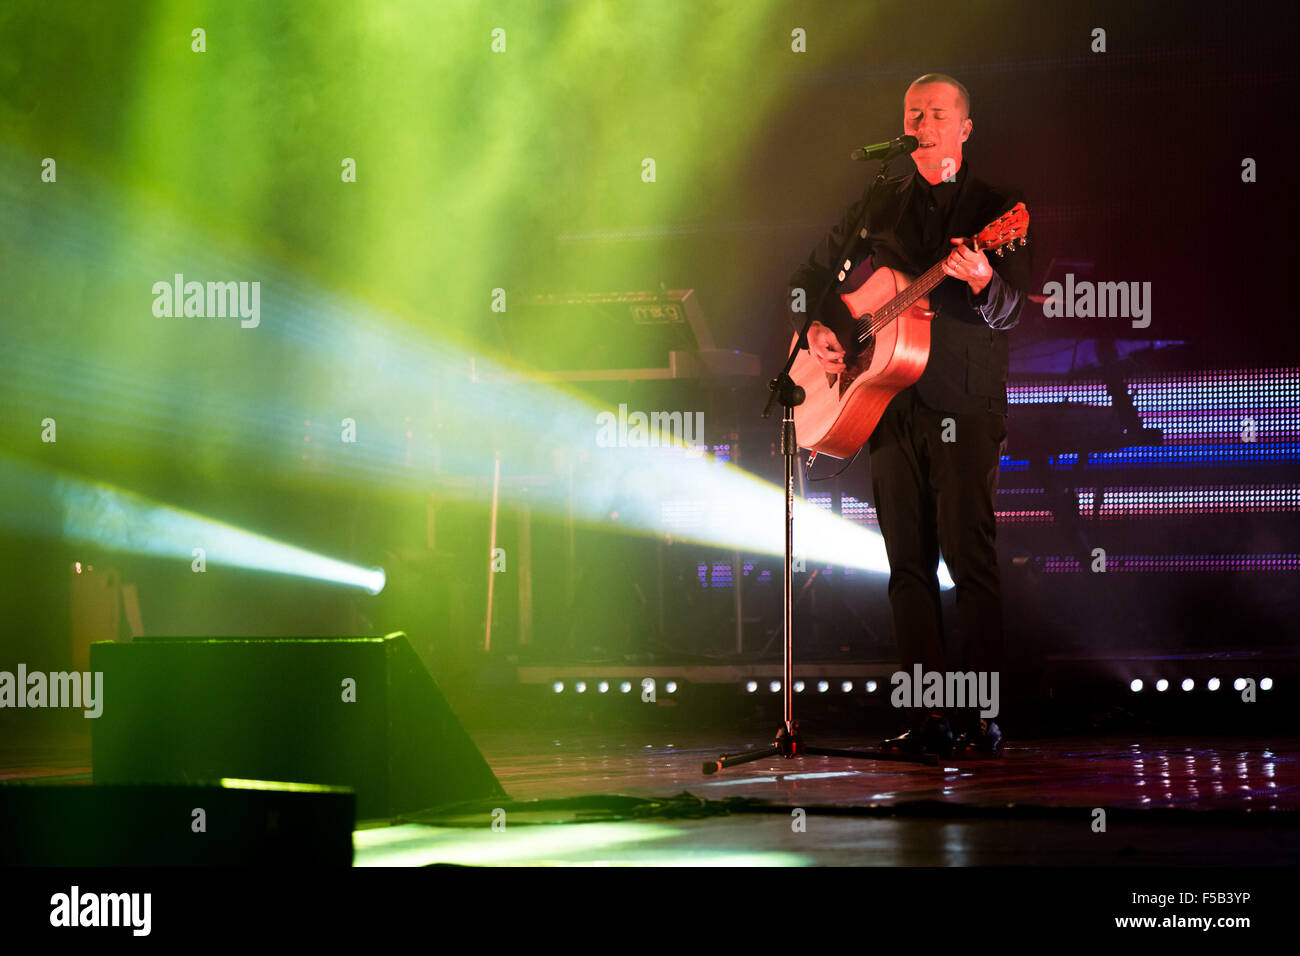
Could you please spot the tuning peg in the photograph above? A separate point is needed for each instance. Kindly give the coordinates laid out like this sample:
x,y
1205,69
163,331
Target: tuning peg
x,y
999,252
1011,247
1023,240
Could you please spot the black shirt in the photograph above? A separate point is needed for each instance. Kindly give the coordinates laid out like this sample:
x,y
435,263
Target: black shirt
x,y
931,210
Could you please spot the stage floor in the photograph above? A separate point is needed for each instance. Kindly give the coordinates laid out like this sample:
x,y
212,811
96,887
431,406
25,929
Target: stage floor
x,y
640,798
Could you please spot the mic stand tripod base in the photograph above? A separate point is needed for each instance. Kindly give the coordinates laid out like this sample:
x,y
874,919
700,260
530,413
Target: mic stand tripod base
x,y
789,744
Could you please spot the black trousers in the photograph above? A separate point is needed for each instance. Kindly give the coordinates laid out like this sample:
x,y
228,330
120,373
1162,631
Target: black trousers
x,y
934,475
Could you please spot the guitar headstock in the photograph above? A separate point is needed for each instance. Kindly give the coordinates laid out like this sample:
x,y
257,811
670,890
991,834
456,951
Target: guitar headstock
x,y
1004,231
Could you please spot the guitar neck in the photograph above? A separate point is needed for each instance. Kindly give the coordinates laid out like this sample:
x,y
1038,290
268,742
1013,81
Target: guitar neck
x,y
869,325
1001,232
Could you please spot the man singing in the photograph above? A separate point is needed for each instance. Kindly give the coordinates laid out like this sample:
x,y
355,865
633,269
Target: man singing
x,y
934,455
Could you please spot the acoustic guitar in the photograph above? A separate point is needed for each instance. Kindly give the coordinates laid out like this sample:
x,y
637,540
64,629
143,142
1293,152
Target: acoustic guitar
x,y
892,316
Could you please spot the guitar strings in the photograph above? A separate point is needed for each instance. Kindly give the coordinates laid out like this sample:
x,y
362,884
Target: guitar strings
x,y
905,299
900,303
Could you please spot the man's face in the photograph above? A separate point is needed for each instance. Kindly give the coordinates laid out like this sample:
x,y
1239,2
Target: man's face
x,y
934,114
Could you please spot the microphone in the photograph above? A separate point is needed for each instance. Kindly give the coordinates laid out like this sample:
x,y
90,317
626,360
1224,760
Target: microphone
x,y
904,144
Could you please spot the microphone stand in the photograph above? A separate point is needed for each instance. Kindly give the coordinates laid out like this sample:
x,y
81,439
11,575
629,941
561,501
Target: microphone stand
x,y
789,743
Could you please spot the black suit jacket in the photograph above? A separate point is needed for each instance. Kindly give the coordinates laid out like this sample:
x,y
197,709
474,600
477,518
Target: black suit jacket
x,y
967,369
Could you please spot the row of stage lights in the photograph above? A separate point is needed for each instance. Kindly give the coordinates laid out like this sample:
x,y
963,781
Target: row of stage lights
x,y
823,686
670,687
603,687
1162,685
847,687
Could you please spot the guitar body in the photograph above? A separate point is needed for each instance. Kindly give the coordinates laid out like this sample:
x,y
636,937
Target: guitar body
x,y
840,412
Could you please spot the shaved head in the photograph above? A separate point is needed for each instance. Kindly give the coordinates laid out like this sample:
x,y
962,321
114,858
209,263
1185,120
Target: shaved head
x,y
962,92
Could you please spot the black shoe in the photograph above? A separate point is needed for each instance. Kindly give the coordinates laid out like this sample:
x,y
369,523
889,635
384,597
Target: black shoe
x,y
932,736
987,740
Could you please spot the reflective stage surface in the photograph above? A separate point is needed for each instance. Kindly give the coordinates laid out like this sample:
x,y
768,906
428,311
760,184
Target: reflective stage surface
x,y
640,798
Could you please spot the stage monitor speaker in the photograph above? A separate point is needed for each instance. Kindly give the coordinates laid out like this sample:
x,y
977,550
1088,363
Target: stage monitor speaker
x,y
240,824
354,712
